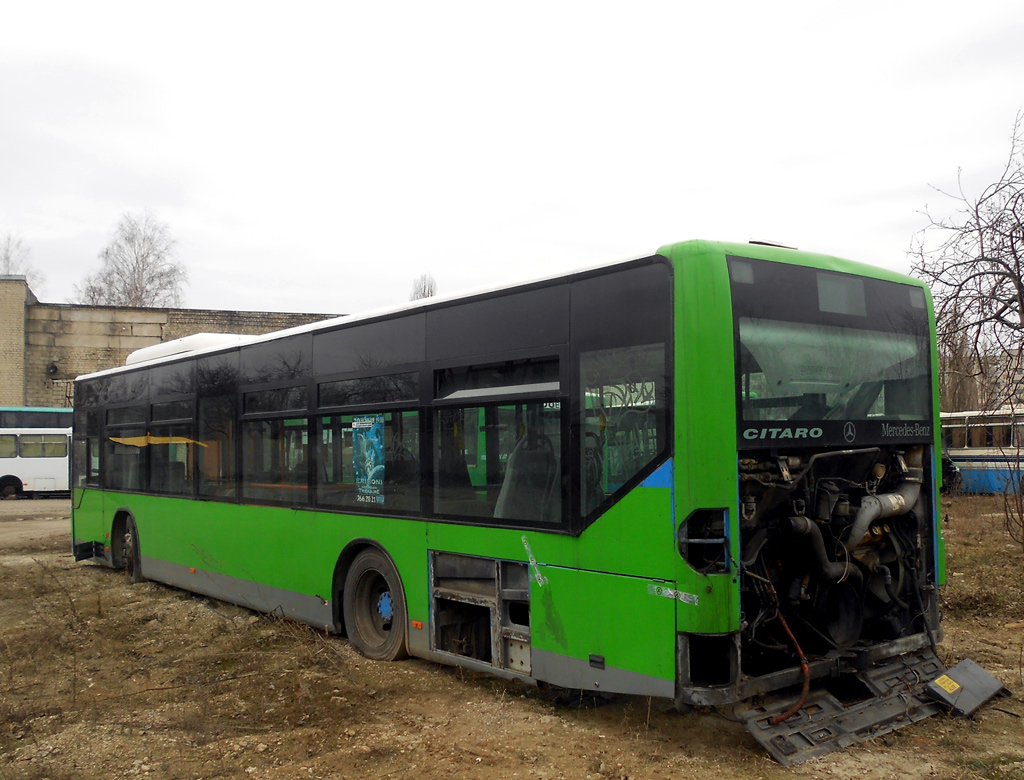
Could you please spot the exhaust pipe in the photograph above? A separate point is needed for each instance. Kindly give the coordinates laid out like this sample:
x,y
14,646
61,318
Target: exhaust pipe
x,y
888,504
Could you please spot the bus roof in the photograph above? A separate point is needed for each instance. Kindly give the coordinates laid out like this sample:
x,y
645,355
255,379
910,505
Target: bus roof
x,y
759,250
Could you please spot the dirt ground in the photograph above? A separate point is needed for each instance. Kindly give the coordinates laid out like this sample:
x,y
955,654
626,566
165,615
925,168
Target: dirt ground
x,y
100,679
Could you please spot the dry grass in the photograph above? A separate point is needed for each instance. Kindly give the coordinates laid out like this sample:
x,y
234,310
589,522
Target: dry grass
x,y
985,566
100,678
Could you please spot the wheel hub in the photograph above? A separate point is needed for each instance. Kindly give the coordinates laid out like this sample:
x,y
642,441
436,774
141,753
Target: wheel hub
x,y
385,608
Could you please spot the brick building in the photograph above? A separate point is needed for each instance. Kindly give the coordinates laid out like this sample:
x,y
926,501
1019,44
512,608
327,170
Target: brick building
x,y
44,346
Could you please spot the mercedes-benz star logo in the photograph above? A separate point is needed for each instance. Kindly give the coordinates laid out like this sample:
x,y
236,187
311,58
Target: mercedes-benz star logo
x,y
849,432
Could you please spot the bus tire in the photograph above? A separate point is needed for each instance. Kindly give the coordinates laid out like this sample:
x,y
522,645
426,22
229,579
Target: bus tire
x,y
374,607
130,552
10,487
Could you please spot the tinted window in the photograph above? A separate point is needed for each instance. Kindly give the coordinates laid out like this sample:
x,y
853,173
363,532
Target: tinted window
x,y
123,458
284,399
122,388
130,414
625,308
171,454
525,320
217,385
370,346
278,360
391,388
500,462
173,379
625,403
172,410
511,377
86,465
20,418
370,461
275,464
217,375
216,456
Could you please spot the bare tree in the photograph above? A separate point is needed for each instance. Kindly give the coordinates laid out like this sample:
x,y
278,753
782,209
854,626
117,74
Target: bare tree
x,y
138,267
974,263
424,286
14,260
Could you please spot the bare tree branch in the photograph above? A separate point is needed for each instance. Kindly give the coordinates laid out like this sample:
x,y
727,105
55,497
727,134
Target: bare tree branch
x,y
424,286
15,260
138,267
973,261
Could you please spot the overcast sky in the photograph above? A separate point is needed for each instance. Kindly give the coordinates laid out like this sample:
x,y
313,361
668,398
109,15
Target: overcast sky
x,y
319,156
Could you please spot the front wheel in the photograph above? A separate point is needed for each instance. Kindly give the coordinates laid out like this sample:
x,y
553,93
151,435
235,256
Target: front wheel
x,y
374,607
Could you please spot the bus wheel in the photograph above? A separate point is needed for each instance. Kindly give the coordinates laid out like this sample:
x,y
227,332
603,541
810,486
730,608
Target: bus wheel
x,y
130,552
9,487
374,607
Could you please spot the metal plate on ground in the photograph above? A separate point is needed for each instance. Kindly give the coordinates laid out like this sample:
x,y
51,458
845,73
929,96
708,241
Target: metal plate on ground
x,y
824,724
965,687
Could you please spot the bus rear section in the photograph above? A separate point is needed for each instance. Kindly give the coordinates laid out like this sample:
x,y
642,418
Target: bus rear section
x,y
837,553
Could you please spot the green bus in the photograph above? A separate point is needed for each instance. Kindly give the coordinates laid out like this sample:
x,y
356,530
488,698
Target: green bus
x,y
708,474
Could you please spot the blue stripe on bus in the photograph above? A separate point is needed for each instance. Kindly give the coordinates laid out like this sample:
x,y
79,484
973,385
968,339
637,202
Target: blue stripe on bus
x,y
662,476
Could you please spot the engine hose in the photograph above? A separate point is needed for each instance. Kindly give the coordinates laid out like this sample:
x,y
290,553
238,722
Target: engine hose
x,y
833,570
887,577
915,583
805,669
924,613
898,502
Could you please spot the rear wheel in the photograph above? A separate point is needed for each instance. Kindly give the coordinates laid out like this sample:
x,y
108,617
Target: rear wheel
x,y
374,607
130,552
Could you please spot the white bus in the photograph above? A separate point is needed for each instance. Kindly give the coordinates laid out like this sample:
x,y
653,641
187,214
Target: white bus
x,y
34,448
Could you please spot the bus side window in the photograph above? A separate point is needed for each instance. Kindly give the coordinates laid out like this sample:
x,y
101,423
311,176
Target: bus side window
x,y
624,411
271,451
368,461
216,459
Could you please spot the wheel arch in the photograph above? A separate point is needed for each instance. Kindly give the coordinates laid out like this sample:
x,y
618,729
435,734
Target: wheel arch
x,y
352,549
118,526
12,481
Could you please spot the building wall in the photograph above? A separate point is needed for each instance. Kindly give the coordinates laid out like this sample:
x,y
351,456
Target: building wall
x,y
14,294
49,344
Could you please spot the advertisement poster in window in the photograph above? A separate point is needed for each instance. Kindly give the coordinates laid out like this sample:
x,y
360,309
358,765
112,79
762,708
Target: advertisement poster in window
x,y
368,457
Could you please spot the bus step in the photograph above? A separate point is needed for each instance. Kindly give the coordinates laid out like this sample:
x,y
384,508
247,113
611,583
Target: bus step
x,y
824,724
